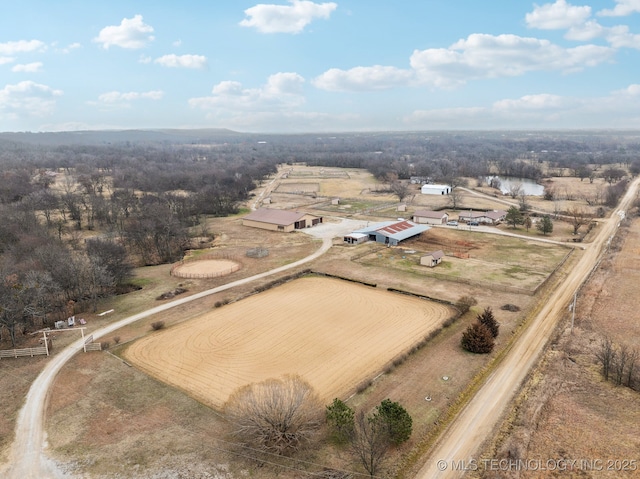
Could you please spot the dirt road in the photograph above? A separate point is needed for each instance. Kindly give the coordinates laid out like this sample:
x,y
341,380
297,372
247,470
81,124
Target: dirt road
x,y
478,419
27,459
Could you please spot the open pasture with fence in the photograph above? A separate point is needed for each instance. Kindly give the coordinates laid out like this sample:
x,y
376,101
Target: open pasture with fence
x,y
333,333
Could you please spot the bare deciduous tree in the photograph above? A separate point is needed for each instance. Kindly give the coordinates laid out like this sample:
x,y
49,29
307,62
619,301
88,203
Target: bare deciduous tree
x,y
370,442
277,415
606,356
577,218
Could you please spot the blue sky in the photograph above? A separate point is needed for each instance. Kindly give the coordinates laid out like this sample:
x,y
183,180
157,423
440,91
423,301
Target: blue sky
x,y
315,66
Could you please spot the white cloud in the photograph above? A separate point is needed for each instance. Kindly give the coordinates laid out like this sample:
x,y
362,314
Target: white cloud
x,y
268,18
377,77
27,67
557,16
478,56
585,32
622,8
4,60
489,56
620,37
21,46
631,91
618,109
120,97
282,92
177,43
28,98
69,48
539,102
132,33
182,61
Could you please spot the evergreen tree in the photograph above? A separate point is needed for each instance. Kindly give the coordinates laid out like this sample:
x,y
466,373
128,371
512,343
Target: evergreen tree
x,y
477,339
514,217
396,419
487,318
340,419
545,225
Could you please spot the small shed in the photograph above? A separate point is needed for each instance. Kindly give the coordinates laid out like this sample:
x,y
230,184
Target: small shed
x,y
432,259
435,189
402,208
335,201
355,238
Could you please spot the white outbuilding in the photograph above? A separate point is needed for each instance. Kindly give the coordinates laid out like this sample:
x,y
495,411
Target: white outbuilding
x,y
435,189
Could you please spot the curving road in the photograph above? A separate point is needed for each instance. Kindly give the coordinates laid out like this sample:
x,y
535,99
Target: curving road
x,y
27,459
477,421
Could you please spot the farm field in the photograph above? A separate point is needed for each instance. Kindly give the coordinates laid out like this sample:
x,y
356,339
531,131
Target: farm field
x,y
158,408
333,333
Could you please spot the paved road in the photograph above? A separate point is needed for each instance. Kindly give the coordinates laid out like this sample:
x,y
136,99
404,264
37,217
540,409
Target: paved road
x,y
27,459
478,419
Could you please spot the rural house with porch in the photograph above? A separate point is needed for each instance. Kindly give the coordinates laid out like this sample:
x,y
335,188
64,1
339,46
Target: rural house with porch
x,y
486,217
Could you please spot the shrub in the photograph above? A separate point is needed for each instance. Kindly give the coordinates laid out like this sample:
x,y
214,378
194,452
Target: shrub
x,y
477,339
116,339
465,302
157,325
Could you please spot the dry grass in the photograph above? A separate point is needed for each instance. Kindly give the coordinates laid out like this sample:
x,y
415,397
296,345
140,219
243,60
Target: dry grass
x,y
566,410
99,403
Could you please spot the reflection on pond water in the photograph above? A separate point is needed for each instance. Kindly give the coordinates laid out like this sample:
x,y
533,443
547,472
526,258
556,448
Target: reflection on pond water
x,y
530,187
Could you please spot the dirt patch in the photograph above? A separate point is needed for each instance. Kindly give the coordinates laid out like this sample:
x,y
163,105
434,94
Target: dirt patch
x,y
311,326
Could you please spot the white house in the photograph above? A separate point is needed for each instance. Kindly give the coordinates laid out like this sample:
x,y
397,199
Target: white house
x,y
435,189
486,217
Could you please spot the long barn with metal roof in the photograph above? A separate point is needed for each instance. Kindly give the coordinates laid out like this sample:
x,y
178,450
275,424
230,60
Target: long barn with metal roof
x,y
388,232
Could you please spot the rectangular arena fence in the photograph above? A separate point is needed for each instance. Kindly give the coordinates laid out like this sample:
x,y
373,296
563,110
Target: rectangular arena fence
x,y
25,352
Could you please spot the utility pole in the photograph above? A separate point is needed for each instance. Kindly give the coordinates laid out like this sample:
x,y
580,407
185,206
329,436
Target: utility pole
x,y
572,307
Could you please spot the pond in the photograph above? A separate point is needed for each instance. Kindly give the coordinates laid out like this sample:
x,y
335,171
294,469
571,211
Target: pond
x,y
530,187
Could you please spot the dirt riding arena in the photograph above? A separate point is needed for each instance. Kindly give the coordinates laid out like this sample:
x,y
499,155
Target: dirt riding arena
x,y
333,333
205,268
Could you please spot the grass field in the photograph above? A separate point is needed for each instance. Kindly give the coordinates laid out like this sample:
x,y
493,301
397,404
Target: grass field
x,y
333,333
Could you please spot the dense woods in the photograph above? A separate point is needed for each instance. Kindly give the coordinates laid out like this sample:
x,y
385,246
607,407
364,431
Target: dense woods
x,y
138,195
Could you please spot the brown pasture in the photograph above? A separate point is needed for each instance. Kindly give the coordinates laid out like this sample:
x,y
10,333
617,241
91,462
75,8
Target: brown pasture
x,y
333,333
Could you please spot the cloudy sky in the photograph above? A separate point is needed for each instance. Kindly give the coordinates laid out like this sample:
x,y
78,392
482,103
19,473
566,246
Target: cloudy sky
x,y
316,66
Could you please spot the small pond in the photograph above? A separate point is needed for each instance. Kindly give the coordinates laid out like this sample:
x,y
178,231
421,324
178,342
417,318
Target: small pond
x,y
531,188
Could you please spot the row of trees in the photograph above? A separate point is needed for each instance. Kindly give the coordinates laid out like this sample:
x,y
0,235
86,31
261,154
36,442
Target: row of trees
x,y
369,436
619,363
516,217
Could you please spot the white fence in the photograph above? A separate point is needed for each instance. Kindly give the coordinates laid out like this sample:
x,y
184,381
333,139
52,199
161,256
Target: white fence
x,y
89,345
19,353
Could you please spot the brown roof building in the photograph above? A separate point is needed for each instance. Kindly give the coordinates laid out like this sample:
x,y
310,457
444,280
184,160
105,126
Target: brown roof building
x,y
280,220
430,217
